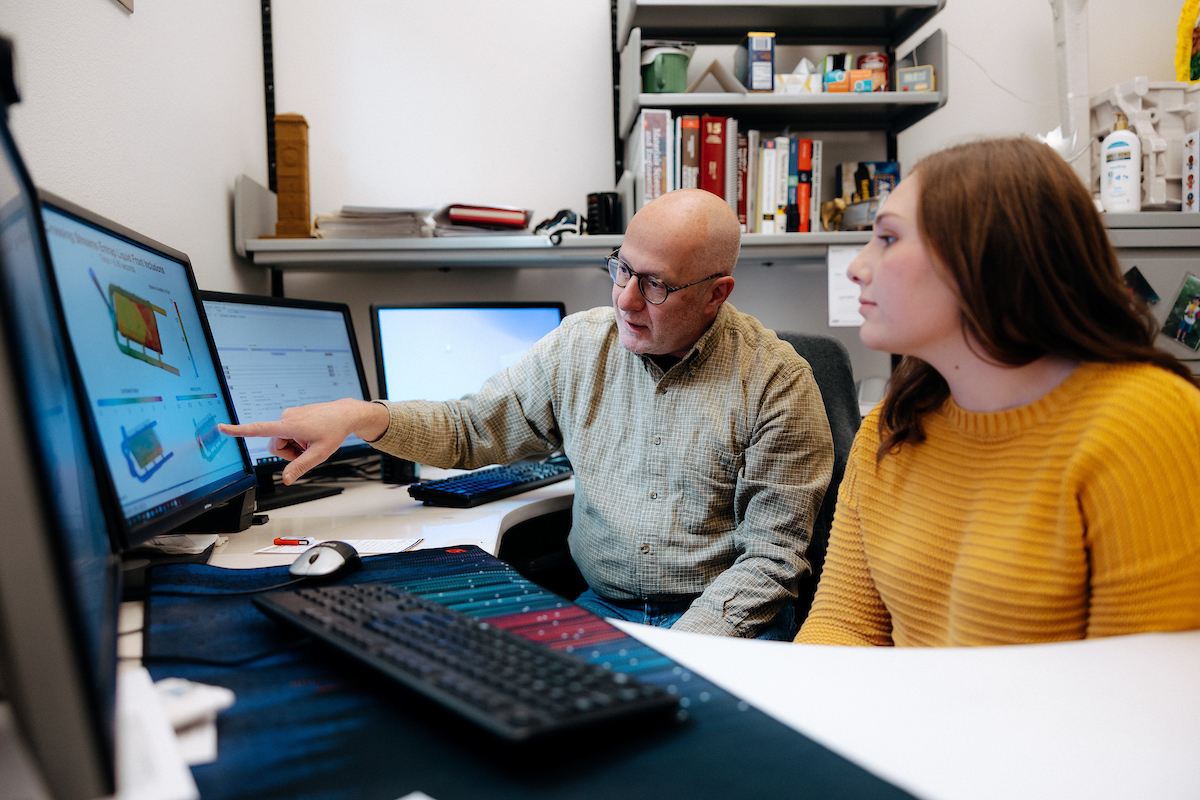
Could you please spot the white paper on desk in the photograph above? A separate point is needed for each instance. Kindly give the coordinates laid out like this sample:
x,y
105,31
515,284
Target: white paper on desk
x,y
365,547
843,292
149,765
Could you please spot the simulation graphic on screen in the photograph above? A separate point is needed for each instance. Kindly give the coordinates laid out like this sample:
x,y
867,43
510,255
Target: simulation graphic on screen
x,y
154,390
277,357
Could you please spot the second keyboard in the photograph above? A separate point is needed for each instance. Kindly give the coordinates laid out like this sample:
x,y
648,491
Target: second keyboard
x,y
485,485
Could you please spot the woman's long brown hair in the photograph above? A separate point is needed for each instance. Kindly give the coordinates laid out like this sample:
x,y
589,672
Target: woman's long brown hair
x,y
1024,249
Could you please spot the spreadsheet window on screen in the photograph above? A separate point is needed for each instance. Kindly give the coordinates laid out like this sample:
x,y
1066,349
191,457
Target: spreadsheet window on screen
x,y
277,357
445,353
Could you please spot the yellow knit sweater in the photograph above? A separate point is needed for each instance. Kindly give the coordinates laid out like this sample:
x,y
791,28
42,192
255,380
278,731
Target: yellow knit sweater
x,y
1073,517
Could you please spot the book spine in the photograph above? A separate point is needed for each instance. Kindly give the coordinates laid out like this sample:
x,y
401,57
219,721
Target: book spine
x,y
676,139
743,158
783,148
814,213
689,152
656,125
768,184
753,146
731,168
804,160
793,218
712,155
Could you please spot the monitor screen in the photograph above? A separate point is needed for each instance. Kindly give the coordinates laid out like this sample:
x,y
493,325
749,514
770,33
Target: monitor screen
x,y
59,582
442,352
148,368
277,353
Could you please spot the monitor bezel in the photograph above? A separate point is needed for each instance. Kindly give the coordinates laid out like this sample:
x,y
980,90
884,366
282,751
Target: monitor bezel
x,y
377,339
344,452
131,536
57,707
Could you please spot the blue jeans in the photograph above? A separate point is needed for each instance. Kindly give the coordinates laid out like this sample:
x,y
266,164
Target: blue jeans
x,y
665,613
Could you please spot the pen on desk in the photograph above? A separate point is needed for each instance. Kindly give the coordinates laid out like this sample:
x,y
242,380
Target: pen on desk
x,y
293,541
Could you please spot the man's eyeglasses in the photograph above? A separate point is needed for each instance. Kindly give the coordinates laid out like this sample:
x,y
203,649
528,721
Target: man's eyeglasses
x,y
654,290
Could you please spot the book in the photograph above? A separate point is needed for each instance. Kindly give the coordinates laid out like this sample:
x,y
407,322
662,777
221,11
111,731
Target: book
x,y
791,215
676,138
487,216
731,134
803,206
742,169
768,182
753,143
712,155
783,147
689,152
657,152
814,213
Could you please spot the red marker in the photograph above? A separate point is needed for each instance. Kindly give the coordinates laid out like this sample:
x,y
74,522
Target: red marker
x,y
293,541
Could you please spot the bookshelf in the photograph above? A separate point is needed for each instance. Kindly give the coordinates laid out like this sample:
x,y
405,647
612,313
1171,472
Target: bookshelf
x,y
879,24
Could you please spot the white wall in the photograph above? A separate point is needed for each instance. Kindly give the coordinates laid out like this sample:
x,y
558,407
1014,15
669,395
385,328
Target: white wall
x,y
148,118
145,118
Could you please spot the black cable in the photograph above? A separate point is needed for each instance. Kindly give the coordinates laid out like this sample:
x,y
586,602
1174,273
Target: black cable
x,y
170,593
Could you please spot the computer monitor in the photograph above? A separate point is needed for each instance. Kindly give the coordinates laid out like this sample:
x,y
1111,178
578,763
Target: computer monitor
x,y
277,353
149,372
59,579
444,351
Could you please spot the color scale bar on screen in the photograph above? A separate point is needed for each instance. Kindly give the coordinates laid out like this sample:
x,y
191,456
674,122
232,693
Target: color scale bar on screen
x,y
125,401
195,396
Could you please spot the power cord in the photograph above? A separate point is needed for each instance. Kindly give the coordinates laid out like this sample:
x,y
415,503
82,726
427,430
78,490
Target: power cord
x,y
170,593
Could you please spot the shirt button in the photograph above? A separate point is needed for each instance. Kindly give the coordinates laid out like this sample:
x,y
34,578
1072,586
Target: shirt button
x,y
657,440
654,495
645,548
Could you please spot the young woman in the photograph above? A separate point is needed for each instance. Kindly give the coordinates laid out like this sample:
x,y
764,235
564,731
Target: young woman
x,y
1030,475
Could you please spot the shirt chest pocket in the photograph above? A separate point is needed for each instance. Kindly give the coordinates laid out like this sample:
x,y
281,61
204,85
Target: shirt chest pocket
x,y
708,478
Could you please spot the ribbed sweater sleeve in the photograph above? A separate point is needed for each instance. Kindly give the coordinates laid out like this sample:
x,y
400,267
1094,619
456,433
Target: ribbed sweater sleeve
x,y
1065,519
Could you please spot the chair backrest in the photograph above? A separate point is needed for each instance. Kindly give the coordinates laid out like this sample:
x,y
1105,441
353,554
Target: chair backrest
x,y
830,362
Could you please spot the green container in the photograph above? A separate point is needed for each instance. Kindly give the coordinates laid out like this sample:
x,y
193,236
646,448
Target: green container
x,y
664,70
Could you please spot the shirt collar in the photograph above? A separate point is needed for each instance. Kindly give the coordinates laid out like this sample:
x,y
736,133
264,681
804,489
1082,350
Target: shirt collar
x,y
704,346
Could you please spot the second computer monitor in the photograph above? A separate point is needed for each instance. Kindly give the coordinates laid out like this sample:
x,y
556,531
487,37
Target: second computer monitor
x,y
277,353
445,351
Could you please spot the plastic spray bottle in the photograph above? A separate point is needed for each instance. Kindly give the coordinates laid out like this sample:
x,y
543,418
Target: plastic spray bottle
x,y
1121,168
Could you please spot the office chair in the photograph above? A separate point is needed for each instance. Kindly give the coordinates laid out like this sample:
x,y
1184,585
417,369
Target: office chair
x,y
830,362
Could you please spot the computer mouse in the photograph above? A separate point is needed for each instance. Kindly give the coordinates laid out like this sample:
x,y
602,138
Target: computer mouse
x,y
327,561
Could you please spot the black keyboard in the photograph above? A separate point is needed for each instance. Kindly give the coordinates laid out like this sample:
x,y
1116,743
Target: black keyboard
x,y
485,485
510,686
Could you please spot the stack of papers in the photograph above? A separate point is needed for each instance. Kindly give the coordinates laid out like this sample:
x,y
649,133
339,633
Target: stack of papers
x,y
366,222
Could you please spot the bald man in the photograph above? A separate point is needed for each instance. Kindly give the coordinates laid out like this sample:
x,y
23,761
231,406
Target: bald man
x,y
699,440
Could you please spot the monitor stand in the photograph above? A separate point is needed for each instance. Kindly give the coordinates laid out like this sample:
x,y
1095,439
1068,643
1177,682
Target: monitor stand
x,y
272,495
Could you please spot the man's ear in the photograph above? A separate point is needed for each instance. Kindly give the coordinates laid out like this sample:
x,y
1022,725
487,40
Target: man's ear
x,y
719,292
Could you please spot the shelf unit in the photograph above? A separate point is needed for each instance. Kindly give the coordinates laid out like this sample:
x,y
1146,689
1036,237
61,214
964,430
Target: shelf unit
x,y
254,216
884,24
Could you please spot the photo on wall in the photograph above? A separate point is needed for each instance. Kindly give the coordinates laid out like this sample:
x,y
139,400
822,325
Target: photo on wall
x,y
1181,321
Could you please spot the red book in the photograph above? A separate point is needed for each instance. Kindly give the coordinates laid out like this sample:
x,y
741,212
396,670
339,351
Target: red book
x,y
712,155
488,216
743,158
804,183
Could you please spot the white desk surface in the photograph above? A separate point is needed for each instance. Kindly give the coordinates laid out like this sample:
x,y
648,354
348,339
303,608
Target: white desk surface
x,y
1110,718
1107,718
371,510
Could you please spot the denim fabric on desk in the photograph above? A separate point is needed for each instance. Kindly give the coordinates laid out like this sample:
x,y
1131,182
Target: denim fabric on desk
x,y
309,723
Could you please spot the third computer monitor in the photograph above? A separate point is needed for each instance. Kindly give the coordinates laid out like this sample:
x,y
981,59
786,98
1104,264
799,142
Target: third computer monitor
x,y
445,351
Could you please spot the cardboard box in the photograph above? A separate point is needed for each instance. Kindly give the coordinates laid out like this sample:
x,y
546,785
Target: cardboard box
x,y
754,62
837,80
915,79
861,80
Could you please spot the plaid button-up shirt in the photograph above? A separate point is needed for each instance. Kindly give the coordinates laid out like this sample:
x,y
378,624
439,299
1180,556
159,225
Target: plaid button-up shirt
x,y
700,480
